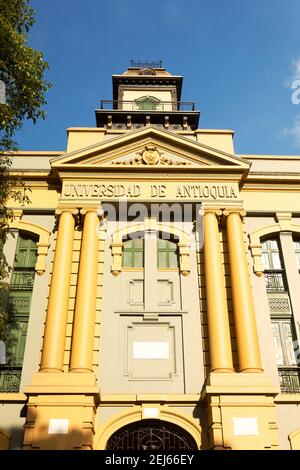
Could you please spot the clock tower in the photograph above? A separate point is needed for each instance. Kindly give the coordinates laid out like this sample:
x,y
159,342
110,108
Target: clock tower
x,y
147,94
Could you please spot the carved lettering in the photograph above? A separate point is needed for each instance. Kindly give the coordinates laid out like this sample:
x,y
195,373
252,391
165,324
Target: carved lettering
x,y
110,190
158,190
206,192
213,192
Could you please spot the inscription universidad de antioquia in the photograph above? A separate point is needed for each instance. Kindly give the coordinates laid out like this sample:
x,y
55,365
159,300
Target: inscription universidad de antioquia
x,y
181,191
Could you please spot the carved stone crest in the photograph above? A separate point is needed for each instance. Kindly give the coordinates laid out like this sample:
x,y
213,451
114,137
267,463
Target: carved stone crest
x,y
150,155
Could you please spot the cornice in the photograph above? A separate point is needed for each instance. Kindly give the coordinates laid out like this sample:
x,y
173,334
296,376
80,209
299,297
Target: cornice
x,y
272,174
263,187
272,177
152,176
36,153
268,157
30,172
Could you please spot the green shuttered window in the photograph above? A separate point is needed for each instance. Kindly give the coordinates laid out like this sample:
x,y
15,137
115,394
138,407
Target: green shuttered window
x,y
20,294
133,253
167,255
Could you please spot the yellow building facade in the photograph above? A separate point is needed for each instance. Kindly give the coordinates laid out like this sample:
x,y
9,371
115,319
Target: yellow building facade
x,y
154,298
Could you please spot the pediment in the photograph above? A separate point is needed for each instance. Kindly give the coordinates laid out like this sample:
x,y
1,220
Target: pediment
x,y
149,149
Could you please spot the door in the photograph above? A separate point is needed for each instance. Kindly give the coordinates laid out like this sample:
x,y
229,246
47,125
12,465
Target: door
x,y
150,330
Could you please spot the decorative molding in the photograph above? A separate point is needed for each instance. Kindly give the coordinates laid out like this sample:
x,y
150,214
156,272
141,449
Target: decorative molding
x,y
234,210
150,224
184,255
150,155
279,303
71,209
117,252
43,239
215,175
284,220
135,414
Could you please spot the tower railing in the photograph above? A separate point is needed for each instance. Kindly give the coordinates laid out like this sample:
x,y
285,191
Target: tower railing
x,y
171,106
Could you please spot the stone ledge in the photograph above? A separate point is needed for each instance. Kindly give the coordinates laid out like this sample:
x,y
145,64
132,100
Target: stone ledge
x,y
13,397
287,398
243,383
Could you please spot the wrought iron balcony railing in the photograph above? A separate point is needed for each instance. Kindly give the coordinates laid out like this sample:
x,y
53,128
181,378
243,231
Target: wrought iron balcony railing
x,y
171,106
275,281
289,378
22,280
10,379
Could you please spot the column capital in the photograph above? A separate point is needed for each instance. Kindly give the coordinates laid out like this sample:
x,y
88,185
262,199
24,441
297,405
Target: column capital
x,y
97,209
234,210
213,210
71,210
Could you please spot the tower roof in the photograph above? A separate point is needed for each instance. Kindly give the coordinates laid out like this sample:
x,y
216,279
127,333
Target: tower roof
x,y
147,76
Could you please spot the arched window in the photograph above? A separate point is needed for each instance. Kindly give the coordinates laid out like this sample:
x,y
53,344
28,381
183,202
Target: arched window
x,y
147,103
133,253
274,272
20,293
297,252
167,254
283,328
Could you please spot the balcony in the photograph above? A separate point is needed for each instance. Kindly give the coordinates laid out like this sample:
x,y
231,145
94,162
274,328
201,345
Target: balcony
x,y
126,115
10,379
275,282
289,378
161,106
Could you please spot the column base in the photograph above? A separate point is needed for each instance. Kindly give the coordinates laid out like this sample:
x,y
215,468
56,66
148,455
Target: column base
x,y
61,411
240,411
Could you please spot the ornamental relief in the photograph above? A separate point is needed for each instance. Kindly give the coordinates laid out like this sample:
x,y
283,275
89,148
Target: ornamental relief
x,y
150,155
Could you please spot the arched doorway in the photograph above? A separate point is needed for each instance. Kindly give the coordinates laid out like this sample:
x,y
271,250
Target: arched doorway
x,y
151,435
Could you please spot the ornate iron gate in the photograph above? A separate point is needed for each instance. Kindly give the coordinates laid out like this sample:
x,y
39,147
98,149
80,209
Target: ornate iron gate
x,y
151,435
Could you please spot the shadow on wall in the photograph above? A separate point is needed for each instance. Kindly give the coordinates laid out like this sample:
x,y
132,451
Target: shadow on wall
x,y
13,438
45,433
199,413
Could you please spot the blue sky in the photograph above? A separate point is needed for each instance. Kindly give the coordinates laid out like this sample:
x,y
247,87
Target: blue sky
x,y
239,60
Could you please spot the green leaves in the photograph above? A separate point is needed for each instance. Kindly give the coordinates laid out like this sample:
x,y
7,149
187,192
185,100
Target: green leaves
x,y
22,70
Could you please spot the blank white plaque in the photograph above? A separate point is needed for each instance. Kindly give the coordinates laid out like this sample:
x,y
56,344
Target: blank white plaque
x,y
150,413
245,426
58,426
151,350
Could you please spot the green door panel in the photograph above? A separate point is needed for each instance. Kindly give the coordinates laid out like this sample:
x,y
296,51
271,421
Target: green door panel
x,y
19,302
